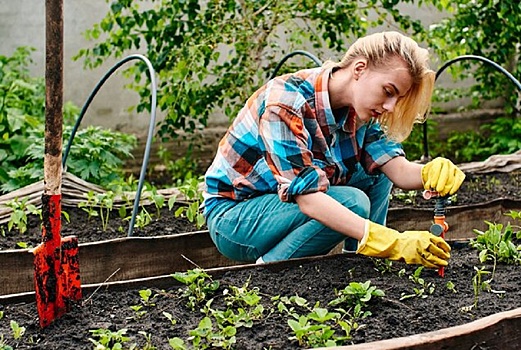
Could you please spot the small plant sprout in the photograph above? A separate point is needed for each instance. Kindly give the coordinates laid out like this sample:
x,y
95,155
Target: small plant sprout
x,y
159,201
89,205
148,341
18,331
143,219
18,218
177,343
3,345
170,318
191,189
356,295
106,204
495,244
138,311
407,197
146,297
198,288
383,265
451,286
109,340
423,290
205,336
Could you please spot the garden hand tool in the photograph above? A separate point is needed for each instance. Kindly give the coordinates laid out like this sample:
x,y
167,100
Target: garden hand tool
x,y
56,265
440,226
442,176
413,247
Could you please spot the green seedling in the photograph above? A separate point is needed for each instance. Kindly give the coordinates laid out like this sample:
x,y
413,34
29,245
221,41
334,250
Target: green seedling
x,y
143,219
478,284
146,297
423,290
495,244
356,296
177,343
242,296
23,245
18,331
138,311
109,340
106,204
191,189
89,205
205,336
3,345
318,328
199,286
18,218
148,341
170,318
383,265
158,200
407,197
451,286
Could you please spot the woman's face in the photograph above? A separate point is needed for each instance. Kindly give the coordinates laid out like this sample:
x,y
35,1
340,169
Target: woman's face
x,y
373,91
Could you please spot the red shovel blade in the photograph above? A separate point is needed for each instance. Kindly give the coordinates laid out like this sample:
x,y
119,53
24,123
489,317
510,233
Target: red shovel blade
x,y
56,265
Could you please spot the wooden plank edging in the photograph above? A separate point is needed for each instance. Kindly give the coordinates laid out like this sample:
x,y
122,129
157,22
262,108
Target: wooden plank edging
x,y
497,331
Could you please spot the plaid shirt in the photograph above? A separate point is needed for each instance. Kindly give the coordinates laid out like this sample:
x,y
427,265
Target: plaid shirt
x,y
286,140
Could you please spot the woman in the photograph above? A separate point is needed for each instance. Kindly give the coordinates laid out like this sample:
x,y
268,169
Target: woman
x,y
311,158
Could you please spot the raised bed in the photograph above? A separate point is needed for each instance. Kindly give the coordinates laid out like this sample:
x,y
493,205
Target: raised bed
x,y
106,305
141,257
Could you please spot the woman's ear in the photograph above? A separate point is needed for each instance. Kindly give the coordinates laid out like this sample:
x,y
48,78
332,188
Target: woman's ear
x,y
359,66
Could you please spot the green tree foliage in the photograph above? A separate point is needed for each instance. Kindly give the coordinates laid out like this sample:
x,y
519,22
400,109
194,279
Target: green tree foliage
x,y
211,55
488,28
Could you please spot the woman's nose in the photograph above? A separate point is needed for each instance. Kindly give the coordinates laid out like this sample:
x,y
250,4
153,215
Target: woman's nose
x,y
389,104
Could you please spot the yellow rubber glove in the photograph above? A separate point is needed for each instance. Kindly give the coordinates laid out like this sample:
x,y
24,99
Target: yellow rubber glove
x,y
413,247
442,176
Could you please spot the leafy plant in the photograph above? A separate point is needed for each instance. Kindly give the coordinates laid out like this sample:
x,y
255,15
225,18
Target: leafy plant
x,y
357,295
146,297
143,218
198,288
109,340
96,155
205,336
495,244
18,331
478,285
423,289
18,218
192,191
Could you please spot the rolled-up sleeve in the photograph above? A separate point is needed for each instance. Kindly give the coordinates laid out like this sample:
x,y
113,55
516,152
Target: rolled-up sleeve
x,y
378,149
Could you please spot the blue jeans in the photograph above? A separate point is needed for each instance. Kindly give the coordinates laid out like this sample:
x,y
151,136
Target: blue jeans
x,y
266,227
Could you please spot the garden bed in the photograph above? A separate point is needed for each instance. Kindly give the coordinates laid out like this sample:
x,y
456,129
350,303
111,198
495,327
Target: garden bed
x,y
170,244
162,246
313,279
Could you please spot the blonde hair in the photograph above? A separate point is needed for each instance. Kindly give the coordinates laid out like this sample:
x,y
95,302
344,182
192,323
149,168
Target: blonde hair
x,y
381,51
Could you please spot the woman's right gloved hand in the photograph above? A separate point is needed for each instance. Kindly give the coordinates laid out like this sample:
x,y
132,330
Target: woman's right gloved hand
x,y
413,247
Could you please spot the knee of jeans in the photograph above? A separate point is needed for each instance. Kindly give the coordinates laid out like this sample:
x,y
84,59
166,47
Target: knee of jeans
x,y
353,198
362,205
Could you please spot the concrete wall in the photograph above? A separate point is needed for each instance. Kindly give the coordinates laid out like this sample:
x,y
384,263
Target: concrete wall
x,y
22,23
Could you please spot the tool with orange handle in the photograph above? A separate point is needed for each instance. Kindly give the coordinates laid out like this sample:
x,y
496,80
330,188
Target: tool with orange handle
x,y
440,226
56,266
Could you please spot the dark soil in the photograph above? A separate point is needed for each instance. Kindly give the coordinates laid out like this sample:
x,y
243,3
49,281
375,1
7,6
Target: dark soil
x,y
315,281
312,279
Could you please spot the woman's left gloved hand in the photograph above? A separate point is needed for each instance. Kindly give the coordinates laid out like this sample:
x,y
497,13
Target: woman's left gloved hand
x,y
442,176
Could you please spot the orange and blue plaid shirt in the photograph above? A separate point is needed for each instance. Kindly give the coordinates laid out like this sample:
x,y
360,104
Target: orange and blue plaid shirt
x,y
286,140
